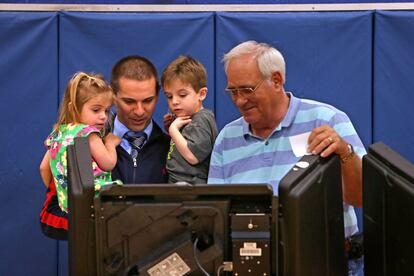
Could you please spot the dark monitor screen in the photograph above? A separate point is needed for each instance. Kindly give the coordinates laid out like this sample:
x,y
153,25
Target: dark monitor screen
x,y
156,229
311,219
171,229
388,194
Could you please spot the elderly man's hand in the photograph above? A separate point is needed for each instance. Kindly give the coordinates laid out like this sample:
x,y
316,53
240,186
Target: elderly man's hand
x,y
324,141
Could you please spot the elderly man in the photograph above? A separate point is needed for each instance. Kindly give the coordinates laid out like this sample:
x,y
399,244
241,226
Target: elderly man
x,y
142,153
256,147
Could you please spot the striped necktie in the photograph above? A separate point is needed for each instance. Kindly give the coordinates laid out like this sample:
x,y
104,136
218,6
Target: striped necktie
x,y
136,141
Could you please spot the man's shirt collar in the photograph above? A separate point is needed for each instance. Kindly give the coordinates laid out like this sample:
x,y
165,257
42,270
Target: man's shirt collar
x,y
287,120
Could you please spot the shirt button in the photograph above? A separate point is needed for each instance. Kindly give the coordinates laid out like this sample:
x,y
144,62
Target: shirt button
x,y
266,143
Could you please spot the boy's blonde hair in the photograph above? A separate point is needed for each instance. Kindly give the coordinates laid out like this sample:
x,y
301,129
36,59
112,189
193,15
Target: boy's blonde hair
x,y
188,70
81,88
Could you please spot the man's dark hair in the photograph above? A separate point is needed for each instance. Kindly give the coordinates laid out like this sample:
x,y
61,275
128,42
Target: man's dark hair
x,y
135,68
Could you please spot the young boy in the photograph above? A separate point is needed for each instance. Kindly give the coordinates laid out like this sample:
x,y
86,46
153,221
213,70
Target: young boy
x,y
193,129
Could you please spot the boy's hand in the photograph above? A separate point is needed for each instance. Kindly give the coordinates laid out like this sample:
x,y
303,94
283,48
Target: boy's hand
x,y
168,119
179,122
112,139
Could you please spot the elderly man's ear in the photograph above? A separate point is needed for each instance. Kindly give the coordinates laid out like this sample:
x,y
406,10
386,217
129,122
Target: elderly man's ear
x,y
277,80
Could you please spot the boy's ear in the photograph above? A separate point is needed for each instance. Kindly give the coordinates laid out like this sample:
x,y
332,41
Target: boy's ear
x,y
203,93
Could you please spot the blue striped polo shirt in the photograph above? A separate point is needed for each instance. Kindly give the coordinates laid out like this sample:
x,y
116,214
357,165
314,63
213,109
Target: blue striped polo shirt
x,y
241,157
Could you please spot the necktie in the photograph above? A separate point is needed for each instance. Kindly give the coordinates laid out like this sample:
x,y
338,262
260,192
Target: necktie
x,y
136,141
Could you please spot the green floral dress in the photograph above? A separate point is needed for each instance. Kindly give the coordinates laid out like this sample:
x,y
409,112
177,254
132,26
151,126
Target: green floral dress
x,y
57,143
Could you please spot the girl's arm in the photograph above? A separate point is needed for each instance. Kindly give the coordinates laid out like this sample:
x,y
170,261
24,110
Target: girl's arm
x,y
45,171
179,140
104,153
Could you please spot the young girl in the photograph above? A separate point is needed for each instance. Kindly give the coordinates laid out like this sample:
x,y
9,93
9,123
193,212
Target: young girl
x,y
83,113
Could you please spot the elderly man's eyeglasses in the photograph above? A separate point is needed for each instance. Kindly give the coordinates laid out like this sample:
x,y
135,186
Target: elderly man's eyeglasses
x,y
243,91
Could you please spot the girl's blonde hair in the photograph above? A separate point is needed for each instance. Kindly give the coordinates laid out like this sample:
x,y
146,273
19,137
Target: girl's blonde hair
x,y
81,88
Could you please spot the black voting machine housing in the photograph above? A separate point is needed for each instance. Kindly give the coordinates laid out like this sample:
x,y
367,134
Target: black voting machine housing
x,y
150,229
388,194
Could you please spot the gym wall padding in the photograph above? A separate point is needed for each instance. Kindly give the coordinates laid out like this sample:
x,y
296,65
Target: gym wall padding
x,y
320,60
394,82
358,61
94,42
28,100
323,52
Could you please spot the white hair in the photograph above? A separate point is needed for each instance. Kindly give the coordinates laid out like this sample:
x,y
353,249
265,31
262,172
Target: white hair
x,y
269,59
